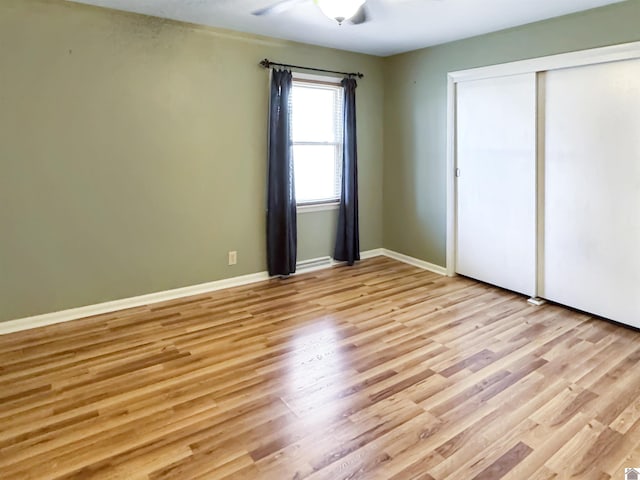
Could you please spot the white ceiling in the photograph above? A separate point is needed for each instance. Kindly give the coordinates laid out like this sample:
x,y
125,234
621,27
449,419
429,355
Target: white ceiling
x,y
396,25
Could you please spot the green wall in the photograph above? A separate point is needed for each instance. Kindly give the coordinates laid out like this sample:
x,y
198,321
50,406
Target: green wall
x,y
415,114
132,154
132,149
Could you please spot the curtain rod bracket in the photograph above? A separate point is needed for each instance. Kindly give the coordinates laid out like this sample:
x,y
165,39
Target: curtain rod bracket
x,y
266,63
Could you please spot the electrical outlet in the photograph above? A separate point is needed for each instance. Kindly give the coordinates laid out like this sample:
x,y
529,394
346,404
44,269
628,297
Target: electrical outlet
x,y
233,257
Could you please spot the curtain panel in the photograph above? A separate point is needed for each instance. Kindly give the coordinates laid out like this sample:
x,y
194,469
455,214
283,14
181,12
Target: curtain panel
x,y
281,199
347,248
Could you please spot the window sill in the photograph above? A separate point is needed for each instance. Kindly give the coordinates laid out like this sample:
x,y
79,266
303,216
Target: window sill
x,y
317,207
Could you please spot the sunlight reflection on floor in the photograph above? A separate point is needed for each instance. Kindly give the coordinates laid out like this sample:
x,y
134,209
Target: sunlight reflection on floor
x,y
316,372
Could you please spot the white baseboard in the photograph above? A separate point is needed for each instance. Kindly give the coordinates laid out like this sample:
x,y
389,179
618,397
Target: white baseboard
x,y
376,252
131,302
414,261
36,321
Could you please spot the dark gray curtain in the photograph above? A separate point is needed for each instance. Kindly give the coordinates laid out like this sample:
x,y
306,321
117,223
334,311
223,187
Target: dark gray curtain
x,y
348,237
281,199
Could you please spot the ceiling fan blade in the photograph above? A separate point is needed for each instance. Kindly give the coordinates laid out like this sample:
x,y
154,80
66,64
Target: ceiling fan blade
x,y
361,15
277,7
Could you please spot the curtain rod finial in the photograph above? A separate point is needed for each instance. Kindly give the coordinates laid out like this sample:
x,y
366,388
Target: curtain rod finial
x,y
265,63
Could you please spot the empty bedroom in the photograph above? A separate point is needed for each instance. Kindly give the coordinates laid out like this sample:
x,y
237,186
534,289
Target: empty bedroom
x,y
320,239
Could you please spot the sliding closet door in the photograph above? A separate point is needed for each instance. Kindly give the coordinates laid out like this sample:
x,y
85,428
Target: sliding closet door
x,y
496,186
592,190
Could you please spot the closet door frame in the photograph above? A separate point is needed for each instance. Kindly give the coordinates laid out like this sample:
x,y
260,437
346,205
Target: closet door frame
x,y
626,51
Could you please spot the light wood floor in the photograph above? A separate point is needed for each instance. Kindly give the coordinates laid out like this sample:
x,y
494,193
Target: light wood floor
x,y
380,371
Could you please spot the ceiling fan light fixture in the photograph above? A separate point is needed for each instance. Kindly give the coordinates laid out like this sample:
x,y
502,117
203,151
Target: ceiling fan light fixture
x,y
339,10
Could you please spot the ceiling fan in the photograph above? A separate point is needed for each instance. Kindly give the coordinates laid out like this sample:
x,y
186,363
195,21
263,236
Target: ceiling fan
x,y
354,11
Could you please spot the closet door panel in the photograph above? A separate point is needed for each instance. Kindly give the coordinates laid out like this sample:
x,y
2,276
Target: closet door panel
x,y
592,190
496,189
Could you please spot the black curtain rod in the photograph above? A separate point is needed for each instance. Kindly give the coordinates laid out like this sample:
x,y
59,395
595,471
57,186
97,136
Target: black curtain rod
x,y
268,64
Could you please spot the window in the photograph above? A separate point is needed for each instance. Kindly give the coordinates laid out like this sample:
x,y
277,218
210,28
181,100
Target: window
x,y
317,141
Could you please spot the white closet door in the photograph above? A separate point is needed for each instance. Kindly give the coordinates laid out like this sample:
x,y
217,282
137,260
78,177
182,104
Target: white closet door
x,y
592,190
496,189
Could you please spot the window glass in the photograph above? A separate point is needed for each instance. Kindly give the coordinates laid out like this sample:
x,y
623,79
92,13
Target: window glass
x,y
317,141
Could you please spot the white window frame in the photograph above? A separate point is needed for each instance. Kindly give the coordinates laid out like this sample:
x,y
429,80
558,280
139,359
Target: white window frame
x,y
334,82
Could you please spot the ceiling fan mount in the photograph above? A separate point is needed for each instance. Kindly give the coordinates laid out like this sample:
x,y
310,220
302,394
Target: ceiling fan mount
x,y
353,11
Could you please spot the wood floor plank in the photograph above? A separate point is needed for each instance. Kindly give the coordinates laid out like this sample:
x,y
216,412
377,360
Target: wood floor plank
x,y
377,371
